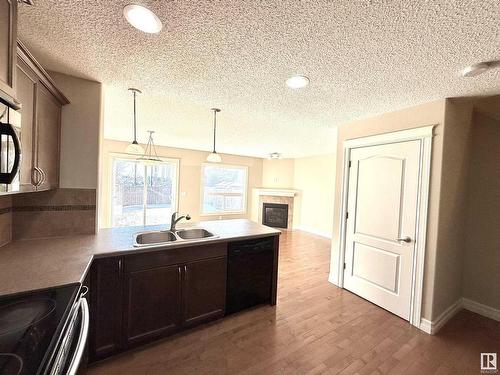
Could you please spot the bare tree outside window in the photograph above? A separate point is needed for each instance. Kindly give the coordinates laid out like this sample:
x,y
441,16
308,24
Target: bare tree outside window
x,y
224,189
143,194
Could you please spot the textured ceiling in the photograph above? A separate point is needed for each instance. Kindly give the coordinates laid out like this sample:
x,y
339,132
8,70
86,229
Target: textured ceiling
x,y
363,57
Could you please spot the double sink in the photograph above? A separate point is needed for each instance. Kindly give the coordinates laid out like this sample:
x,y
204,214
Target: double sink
x,y
166,237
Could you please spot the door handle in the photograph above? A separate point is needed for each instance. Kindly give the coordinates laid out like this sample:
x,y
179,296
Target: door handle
x,y
406,239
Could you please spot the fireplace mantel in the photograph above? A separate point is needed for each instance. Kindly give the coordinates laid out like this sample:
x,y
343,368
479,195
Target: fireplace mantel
x,y
276,192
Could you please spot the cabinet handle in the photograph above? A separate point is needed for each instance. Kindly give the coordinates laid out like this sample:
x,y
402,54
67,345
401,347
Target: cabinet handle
x,y
39,176
186,273
44,176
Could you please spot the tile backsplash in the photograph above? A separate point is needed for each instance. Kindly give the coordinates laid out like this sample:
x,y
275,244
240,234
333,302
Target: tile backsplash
x,y
59,212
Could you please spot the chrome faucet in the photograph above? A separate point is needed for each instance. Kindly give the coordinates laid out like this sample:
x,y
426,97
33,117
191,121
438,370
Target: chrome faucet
x,y
176,219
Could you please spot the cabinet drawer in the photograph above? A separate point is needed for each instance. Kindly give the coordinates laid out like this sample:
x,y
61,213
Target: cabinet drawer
x,y
168,257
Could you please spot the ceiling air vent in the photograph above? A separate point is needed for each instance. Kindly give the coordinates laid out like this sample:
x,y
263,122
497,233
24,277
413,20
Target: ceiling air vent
x,y
27,2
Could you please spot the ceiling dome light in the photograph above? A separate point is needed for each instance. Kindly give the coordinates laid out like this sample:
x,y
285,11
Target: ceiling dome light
x,y
297,82
475,70
142,18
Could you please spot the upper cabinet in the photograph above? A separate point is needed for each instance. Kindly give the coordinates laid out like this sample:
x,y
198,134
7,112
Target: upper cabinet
x,y
26,86
40,124
8,38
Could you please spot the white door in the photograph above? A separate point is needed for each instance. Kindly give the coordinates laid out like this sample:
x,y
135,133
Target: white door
x,y
381,224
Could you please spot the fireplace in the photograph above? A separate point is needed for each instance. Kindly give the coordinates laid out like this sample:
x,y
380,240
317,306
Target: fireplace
x,y
275,215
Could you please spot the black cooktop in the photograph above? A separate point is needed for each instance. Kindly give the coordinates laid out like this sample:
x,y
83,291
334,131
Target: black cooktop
x,y
30,326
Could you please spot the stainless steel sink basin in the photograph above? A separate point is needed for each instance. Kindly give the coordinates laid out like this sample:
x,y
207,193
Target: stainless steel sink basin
x,y
194,234
153,238
166,237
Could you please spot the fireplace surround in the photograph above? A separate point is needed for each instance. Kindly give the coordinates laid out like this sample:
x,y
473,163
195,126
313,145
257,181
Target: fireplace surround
x,y
277,197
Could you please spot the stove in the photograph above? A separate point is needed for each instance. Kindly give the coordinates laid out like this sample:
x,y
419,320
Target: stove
x,y
31,329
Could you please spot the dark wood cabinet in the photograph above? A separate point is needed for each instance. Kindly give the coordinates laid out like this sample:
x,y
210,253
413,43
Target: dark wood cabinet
x,y
140,297
40,124
105,307
168,290
152,303
8,37
204,290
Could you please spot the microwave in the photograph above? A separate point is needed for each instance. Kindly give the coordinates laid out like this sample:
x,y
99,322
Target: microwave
x,y
10,149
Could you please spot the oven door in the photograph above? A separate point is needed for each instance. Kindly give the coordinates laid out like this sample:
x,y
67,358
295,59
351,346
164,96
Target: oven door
x,y
71,355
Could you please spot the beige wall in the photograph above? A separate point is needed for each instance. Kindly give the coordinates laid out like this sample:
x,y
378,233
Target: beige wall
x,y
481,276
80,130
452,206
314,178
278,173
422,115
189,178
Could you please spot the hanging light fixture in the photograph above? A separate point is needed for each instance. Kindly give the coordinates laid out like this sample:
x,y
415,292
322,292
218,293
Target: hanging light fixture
x,y
134,147
214,157
150,156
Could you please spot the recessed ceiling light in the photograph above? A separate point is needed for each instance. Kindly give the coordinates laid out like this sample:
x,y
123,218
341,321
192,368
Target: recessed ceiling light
x,y
475,70
142,18
297,82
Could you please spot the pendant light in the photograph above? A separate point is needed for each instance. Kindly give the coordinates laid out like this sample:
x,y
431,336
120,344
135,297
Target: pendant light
x,y
134,147
214,157
150,156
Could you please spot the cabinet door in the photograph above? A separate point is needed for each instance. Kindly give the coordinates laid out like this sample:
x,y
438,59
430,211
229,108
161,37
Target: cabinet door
x,y
26,92
105,307
8,37
48,131
204,290
152,303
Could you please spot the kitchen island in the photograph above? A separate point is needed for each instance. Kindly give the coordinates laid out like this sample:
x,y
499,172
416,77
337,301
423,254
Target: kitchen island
x,y
140,294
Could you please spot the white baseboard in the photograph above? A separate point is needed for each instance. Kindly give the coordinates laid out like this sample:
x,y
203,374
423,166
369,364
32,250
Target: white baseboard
x,y
314,231
432,327
332,279
463,303
481,309
426,326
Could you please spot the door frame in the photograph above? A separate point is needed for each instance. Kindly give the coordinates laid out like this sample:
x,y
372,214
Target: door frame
x,y
424,135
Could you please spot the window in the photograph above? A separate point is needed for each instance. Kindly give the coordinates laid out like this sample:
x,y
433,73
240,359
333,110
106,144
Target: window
x,y
143,194
224,189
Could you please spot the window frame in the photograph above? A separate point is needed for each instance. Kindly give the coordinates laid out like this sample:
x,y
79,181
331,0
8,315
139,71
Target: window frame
x,y
202,190
125,156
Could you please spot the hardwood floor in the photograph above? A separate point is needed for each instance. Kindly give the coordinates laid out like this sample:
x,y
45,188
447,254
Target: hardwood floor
x,y
316,328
